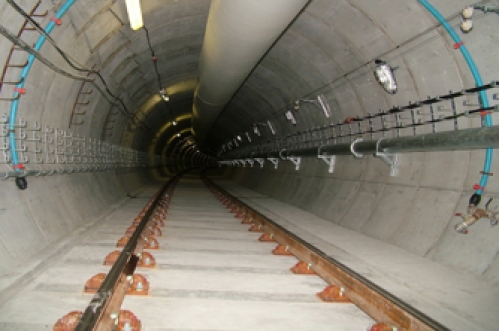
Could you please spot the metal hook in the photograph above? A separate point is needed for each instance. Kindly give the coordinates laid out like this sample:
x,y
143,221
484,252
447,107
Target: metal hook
x,y
352,148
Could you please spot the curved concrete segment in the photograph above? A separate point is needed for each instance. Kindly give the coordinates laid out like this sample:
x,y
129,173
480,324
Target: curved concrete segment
x,y
328,49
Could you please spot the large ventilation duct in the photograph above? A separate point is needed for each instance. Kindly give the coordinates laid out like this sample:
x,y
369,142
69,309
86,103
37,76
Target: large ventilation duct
x,y
238,34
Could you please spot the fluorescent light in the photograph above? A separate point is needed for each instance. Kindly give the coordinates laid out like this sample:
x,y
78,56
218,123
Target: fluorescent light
x,y
164,95
134,14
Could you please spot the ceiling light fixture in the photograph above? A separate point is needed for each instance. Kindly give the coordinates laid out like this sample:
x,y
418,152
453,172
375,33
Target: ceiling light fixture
x,y
385,77
134,14
164,95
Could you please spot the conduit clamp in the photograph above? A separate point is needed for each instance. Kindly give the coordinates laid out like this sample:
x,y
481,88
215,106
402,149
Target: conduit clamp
x,y
352,148
274,161
389,158
20,90
56,20
261,161
330,160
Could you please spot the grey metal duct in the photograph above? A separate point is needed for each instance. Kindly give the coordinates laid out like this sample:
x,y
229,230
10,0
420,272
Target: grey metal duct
x,y
238,34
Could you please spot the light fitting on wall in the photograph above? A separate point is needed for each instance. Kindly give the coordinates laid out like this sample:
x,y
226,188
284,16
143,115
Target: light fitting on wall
x,y
271,127
268,123
238,137
174,122
385,76
134,14
164,95
320,102
256,130
467,23
178,135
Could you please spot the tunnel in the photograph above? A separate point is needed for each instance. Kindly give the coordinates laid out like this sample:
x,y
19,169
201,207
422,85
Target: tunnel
x,y
367,128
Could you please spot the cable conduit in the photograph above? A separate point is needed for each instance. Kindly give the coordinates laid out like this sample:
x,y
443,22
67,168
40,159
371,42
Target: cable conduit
x,y
478,80
24,74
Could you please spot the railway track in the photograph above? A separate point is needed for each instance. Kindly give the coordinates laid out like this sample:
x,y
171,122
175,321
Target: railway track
x,y
197,258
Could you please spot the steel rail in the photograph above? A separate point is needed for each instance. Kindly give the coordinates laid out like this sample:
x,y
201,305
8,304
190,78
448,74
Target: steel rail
x,y
371,298
124,266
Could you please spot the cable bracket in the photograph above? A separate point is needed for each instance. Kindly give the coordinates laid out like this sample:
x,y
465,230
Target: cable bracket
x,y
261,161
330,160
274,161
389,158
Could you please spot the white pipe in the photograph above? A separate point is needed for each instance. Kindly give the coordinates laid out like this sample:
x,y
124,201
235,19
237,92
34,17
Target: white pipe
x,y
238,34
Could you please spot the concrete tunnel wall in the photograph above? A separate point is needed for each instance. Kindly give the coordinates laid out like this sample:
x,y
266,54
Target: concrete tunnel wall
x,y
329,48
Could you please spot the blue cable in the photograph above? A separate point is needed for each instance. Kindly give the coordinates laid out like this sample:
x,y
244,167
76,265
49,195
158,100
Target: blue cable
x,y
478,81
24,74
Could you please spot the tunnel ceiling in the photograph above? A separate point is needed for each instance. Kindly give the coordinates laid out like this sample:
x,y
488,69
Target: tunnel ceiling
x,y
328,49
